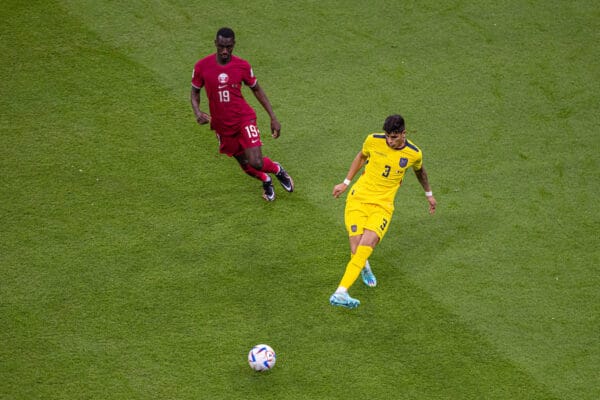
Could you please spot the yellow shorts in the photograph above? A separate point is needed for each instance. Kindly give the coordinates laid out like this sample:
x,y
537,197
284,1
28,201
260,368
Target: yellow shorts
x,y
360,216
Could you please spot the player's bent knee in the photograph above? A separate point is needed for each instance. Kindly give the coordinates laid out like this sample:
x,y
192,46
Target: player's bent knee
x,y
257,164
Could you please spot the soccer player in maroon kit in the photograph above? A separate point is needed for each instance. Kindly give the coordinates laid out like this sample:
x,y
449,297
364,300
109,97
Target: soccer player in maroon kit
x,y
222,74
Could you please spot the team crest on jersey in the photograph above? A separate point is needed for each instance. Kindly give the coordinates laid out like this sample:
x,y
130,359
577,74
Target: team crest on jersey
x,y
403,162
223,78
354,228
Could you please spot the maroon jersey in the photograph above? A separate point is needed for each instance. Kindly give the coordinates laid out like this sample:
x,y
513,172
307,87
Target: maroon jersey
x,y
223,85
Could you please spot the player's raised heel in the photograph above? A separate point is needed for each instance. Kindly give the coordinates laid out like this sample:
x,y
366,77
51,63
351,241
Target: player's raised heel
x,y
343,300
368,278
268,191
286,181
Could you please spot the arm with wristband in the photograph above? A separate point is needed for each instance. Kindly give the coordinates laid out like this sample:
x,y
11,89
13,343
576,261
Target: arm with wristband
x,y
356,165
424,181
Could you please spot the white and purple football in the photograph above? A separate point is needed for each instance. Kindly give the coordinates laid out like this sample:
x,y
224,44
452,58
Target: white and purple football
x,y
261,357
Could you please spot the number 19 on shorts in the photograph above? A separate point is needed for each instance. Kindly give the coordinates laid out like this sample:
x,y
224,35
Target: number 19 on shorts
x,y
251,132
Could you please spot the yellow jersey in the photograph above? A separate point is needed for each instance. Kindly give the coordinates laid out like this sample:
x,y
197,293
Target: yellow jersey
x,y
384,171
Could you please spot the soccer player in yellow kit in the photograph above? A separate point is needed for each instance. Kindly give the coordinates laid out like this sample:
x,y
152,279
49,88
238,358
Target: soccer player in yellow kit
x,y
370,203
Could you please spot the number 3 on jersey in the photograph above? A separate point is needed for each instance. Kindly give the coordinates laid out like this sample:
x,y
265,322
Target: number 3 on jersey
x,y
224,96
386,173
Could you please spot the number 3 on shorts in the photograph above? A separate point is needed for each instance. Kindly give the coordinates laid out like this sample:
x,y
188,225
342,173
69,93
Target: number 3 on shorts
x,y
383,224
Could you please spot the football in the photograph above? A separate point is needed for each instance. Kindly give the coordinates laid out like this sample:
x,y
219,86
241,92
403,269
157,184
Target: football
x,y
261,357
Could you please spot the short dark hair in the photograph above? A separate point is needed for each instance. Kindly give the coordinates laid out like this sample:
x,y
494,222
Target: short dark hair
x,y
394,124
226,33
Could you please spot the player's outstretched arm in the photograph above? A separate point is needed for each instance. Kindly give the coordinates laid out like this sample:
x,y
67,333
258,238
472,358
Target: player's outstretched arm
x,y
262,98
356,165
201,117
424,181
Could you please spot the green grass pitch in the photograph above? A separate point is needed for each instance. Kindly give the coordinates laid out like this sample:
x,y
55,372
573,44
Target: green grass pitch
x,y
137,263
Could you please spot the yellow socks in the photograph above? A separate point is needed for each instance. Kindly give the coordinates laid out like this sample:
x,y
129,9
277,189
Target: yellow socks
x,y
356,264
